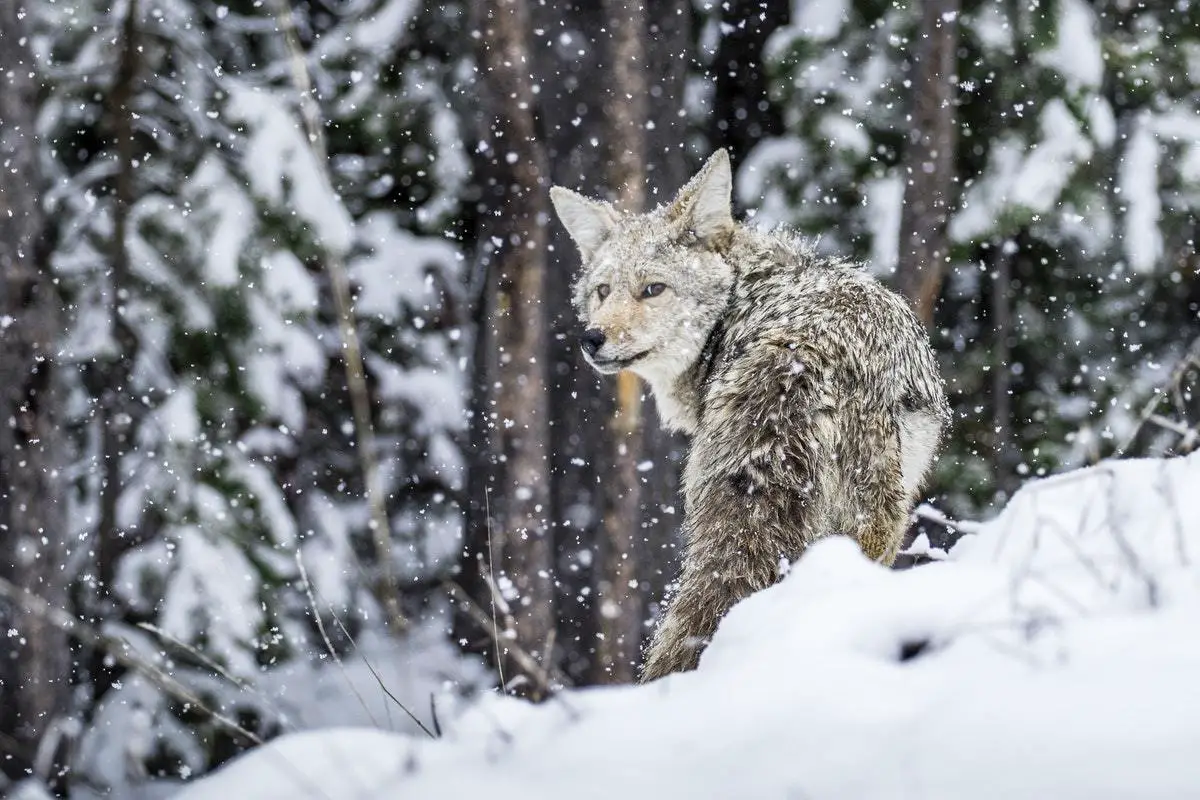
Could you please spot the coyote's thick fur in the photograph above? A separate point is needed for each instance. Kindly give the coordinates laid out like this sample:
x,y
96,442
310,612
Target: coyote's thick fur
x,y
809,390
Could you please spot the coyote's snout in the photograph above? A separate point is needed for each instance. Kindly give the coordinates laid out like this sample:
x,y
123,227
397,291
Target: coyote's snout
x,y
810,390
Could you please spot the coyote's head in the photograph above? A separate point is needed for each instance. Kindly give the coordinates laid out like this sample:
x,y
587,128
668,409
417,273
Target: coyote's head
x,y
653,285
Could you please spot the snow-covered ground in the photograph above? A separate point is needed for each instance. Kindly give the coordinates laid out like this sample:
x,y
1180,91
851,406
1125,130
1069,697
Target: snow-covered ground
x,y
1054,655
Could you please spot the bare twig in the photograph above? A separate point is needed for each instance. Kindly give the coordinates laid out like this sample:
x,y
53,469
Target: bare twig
x,y
204,659
312,604
1071,542
549,680
378,679
1127,550
310,592
356,381
1173,388
433,715
487,507
1164,488
1186,432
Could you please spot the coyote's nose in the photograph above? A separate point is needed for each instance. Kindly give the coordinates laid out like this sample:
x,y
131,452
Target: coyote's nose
x,y
591,341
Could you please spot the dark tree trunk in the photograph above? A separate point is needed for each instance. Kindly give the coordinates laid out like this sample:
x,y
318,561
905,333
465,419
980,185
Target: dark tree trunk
x,y
34,663
621,603
742,111
581,403
668,167
516,543
115,418
575,105
1000,311
929,191
612,526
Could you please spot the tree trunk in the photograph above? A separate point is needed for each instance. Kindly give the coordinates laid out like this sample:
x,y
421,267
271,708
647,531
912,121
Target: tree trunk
x,y
668,167
115,417
621,606
1006,456
511,168
574,106
34,662
581,401
743,114
929,191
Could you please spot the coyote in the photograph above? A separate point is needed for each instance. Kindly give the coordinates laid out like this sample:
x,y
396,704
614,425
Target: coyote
x,y
808,389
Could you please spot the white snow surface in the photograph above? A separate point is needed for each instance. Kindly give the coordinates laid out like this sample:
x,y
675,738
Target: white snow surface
x,y
1057,658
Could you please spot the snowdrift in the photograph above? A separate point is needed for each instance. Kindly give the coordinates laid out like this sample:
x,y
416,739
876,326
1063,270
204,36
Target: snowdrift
x,y
1054,654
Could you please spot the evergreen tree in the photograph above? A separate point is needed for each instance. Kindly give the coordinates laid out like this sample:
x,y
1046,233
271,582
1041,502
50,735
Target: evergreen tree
x,y
208,411
1070,266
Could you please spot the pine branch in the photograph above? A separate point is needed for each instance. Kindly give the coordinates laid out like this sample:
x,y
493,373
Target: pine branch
x,y
121,651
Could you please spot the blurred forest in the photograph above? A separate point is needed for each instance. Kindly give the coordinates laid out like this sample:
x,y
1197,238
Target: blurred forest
x,y
287,358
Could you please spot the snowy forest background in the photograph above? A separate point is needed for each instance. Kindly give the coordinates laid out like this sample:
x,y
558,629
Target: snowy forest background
x,y
288,366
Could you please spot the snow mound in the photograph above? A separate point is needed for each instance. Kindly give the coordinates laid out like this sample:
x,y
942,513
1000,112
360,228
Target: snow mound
x,y
1053,655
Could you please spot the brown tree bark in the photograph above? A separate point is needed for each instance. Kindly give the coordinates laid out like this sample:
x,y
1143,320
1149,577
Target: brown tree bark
x,y
513,413
115,420
571,113
573,107
621,606
930,188
34,663
668,166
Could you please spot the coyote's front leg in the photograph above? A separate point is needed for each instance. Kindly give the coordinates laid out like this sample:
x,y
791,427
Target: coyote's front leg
x,y
706,592
753,497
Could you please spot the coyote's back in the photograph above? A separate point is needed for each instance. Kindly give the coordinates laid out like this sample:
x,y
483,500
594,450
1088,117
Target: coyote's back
x,y
809,389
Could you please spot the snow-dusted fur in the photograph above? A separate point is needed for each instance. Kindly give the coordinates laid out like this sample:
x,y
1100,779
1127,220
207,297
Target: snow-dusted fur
x,y
809,389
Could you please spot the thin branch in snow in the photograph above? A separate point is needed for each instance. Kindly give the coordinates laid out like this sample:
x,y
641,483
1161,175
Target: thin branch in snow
x,y
212,665
1173,388
352,358
433,715
310,592
1188,434
509,633
548,680
1071,542
1163,486
312,604
204,659
1127,550
487,507
377,678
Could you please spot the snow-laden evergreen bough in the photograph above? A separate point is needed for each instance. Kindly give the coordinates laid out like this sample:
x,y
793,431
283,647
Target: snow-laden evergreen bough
x,y
810,390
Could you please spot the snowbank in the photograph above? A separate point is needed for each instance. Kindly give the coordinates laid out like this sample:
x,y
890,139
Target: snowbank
x,y
1054,655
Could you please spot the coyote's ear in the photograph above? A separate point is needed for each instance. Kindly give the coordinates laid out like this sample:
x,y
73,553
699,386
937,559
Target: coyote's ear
x,y
705,203
588,221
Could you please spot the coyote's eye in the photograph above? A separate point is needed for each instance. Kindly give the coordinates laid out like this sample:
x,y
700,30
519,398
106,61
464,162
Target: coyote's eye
x,y
602,290
654,289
